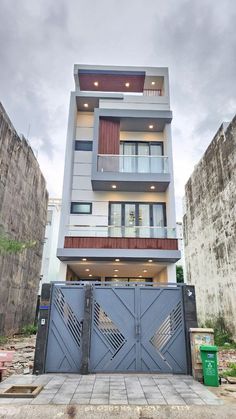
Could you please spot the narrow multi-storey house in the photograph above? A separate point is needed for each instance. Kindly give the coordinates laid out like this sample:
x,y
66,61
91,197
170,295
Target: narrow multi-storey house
x,y
118,208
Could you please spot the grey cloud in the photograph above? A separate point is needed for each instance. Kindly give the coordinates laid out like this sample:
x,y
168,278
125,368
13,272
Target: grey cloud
x,y
40,41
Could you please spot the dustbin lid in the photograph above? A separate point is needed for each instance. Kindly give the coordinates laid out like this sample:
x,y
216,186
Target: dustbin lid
x,y
209,348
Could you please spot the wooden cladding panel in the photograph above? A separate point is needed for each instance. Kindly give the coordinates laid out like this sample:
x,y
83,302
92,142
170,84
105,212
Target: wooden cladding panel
x,y
120,243
109,136
111,82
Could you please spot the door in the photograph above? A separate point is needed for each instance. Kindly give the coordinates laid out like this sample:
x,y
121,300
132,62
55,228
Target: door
x,y
138,328
64,343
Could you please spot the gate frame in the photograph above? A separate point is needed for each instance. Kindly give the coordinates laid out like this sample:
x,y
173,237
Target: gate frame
x,y
189,314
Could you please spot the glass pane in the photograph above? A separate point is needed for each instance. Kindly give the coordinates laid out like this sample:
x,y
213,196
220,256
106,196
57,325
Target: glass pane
x,y
129,150
130,221
115,220
159,220
156,163
144,220
143,162
81,208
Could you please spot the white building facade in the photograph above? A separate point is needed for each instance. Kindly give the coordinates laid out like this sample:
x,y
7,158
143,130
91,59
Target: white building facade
x,y
50,263
118,209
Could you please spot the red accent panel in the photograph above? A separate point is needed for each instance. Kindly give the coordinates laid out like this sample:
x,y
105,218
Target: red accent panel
x,y
120,243
109,136
111,82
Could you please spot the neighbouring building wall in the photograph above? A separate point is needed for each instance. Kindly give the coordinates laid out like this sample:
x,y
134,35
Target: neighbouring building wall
x,y
210,229
23,212
50,263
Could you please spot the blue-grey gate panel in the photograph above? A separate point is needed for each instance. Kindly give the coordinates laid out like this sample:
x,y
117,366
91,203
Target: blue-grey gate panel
x,y
113,340
63,352
137,328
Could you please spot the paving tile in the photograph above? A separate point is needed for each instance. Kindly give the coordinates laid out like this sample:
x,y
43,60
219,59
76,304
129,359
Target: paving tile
x,y
61,399
43,399
6,400
175,400
79,401
137,401
193,401
118,402
99,401
154,401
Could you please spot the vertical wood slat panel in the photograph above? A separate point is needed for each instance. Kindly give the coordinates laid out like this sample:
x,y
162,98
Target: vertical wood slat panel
x,y
120,243
109,136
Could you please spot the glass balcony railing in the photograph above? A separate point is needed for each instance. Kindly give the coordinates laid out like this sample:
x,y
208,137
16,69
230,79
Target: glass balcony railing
x,y
132,164
123,231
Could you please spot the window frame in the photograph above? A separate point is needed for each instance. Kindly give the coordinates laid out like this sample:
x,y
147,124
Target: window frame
x,y
81,203
161,143
90,142
137,203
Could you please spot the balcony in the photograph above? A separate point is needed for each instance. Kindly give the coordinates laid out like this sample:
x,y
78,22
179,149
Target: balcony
x,y
132,164
129,243
124,231
139,173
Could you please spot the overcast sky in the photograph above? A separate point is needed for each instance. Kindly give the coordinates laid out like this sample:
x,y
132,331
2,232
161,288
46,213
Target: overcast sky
x,y
41,40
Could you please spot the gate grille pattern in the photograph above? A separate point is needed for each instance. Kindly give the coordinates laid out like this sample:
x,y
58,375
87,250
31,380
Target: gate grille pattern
x,y
109,330
68,316
168,328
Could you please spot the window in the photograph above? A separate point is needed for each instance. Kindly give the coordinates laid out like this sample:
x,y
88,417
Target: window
x,y
81,208
137,219
141,156
49,217
82,145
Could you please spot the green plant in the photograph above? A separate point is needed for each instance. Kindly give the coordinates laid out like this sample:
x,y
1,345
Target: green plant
x,y
222,333
231,372
8,245
179,274
3,340
30,329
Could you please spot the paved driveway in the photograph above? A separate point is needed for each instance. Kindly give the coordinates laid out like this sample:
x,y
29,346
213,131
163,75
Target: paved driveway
x,y
113,389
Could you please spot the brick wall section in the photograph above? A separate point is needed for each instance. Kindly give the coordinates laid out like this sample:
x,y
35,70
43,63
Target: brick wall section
x,y
210,228
23,211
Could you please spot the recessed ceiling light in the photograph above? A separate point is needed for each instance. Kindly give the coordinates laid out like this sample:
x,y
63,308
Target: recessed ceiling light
x,y
140,276
113,186
145,270
86,105
116,270
153,83
115,276
127,84
90,275
150,260
87,270
151,126
95,83
84,259
117,260
152,187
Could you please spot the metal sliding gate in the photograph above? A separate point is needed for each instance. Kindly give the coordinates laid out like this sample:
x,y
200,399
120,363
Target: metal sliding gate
x,y
133,328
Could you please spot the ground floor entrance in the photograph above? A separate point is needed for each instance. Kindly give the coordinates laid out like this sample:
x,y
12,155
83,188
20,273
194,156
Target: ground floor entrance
x,y
128,327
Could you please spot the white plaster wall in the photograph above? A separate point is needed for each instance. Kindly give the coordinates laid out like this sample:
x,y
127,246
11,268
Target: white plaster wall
x,y
141,136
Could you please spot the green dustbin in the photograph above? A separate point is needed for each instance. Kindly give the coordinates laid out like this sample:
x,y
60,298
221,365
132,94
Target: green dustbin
x,y
209,365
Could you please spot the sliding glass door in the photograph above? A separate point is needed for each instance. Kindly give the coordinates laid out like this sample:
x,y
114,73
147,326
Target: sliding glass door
x,y
136,219
141,157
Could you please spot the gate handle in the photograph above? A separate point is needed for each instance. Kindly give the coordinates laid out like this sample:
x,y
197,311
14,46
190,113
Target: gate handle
x,y
137,329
